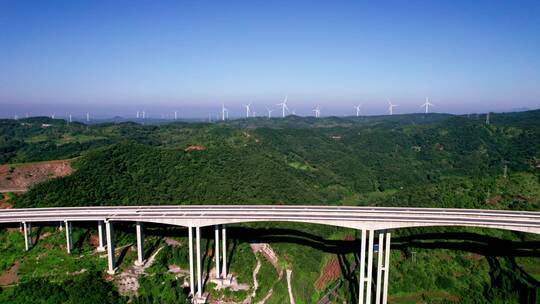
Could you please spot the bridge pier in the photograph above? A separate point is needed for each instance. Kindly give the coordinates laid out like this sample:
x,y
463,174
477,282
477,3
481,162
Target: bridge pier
x,y
101,247
69,241
224,241
383,242
27,233
200,298
191,271
140,244
383,268
110,248
364,294
216,250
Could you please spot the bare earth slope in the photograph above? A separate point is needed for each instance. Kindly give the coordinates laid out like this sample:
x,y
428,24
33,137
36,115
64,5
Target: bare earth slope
x,y
19,178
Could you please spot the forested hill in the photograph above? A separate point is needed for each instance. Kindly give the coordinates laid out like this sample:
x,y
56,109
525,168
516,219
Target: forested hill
x,y
421,160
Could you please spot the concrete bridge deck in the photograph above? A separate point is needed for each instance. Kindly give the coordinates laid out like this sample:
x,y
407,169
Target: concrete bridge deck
x,y
375,218
366,219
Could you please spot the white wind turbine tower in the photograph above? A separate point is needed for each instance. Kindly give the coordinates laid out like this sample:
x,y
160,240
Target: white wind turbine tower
x,y
269,113
391,107
358,110
247,109
426,105
87,117
283,107
317,111
224,112
175,115
137,114
70,118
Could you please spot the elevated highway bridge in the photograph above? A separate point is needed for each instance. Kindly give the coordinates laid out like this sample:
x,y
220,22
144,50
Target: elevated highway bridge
x,y
366,219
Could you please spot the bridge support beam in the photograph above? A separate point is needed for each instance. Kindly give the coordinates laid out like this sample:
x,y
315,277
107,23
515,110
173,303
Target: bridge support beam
x,y
101,247
383,269
191,271
140,244
216,250
69,240
27,233
199,266
110,248
224,241
364,294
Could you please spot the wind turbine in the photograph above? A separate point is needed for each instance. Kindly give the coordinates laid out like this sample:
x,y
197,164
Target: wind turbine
x,y
358,109
317,111
269,113
175,115
391,107
427,104
87,117
223,112
247,109
283,107
137,114
70,118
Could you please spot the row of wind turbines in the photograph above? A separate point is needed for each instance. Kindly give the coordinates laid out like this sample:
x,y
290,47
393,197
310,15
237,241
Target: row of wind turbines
x,y
250,113
317,110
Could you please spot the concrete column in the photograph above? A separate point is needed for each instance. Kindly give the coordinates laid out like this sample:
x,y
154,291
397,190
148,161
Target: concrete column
x,y
362,267
224,244
386,268
27,233
370,267
140,244
69,242
199,267
217,250
110,247
191,272
101,247
379,269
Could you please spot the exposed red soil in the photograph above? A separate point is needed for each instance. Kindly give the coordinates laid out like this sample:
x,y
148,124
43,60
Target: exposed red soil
x,y
4,202
349,237
22,177
197,148
331,272
94,240
10,276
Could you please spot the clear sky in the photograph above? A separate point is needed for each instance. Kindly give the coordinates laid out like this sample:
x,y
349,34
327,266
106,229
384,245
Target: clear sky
x,y
121,56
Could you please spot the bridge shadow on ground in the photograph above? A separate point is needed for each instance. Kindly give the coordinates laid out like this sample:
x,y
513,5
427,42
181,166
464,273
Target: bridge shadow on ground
x,y
499,253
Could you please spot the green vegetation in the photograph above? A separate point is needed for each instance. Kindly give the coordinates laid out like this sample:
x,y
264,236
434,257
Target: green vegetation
x,y
405,160
85,288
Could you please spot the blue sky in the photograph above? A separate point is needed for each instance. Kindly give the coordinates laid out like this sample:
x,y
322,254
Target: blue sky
x,y
191,56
